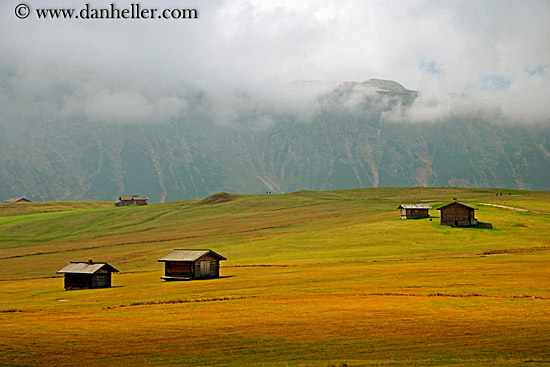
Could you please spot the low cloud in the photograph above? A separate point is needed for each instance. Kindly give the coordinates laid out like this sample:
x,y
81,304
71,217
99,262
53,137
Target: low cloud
x,y
131,107
119,107
153,71
433,105
526,99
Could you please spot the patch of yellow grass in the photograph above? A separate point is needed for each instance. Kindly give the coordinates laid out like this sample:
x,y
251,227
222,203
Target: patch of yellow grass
x,y
313,279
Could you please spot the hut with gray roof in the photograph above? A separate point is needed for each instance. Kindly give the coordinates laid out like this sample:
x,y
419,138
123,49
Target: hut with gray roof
x,y
87,275
191,264
126,200
414,211
18,200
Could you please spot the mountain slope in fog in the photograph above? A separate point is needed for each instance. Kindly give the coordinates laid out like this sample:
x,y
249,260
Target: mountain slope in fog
x,y
348,135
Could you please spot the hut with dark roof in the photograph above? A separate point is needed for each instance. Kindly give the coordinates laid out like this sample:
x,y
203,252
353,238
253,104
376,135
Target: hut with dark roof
x,y
414,211
458,214
18,200
87,275
191,264
126,200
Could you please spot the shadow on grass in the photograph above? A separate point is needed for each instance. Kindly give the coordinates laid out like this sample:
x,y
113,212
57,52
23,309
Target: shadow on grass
x,y
92,289
480,225
483,225
195,279
419,218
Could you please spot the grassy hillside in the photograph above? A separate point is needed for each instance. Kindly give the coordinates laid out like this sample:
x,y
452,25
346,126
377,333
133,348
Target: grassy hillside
x,y
312,278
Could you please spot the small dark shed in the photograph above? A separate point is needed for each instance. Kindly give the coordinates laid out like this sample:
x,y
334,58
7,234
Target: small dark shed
x,y
191,264
458,214
413,211
125,200
18,200
86,275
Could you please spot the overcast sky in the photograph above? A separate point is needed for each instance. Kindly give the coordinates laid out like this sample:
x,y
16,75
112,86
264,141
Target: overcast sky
x,y
137,70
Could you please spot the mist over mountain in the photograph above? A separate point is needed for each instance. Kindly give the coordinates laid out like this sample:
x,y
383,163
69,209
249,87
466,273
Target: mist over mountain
x,y
321,135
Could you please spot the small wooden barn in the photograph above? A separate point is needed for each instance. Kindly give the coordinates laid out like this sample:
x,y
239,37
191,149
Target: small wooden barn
x,y
191,264
87,275
414,211
18,200
125,200
458,214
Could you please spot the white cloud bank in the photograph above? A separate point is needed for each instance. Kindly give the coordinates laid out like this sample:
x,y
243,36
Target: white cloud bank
x,y
135,71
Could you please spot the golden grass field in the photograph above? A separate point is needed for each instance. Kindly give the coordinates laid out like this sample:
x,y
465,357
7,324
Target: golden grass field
x,y
312,279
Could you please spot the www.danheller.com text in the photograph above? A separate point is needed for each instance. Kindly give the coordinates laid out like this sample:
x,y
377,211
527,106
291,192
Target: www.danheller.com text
x,y
112,11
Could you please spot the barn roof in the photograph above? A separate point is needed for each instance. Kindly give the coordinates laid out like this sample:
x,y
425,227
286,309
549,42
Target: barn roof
x,y
189,255
85,268
132,197
414,206
459,203
15,200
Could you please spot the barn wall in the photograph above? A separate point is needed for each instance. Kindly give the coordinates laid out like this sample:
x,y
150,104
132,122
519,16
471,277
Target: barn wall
x,y
101,279
192,269
78,281
417,213
207,257
214,267
179,269
457,215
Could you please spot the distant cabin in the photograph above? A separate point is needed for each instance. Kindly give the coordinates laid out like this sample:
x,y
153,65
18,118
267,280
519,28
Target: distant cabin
x,y
87,275
18,200
414,211
125,200
458,214
191,264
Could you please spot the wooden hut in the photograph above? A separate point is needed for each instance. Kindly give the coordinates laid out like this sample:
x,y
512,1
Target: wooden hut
x,y
125,200
18,200
414,211
191,264
86,275
458,214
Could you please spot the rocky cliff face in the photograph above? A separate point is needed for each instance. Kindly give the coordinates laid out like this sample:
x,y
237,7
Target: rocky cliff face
x,y
351,135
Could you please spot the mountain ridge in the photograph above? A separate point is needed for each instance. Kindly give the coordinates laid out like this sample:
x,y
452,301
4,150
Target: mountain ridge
x,y
342,140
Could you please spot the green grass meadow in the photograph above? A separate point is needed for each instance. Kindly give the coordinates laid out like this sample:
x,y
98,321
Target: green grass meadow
x,y
330,278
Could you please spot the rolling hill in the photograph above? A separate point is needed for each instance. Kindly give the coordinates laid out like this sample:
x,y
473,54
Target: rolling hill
x,y
313,278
